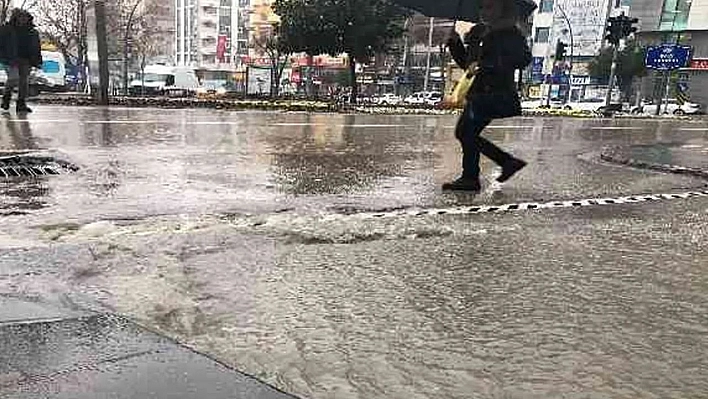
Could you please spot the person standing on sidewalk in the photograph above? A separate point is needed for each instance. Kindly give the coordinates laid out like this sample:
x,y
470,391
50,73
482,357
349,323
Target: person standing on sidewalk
x,y
20,50
499,47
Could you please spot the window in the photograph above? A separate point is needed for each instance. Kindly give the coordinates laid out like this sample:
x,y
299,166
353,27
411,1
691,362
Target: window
x,y
674,15
542,35
546,6
226,3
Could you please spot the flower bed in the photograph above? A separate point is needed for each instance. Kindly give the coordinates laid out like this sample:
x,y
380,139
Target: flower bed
x,y
304,106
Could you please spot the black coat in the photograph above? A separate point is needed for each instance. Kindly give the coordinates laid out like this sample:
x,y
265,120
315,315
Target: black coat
x,y
20,43
499,53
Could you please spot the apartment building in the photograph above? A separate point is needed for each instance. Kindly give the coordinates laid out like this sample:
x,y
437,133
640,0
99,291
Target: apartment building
x,y
583,23
261,26
211,33
161,17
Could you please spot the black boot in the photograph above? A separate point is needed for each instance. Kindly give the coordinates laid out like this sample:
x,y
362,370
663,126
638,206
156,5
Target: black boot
x,y
463,184
5,103
22,108
510,168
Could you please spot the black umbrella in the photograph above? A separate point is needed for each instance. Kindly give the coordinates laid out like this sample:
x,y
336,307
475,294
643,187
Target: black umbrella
x,y
462,10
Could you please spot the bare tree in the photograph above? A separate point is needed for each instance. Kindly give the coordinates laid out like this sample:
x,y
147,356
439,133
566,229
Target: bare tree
x,y
4,9
277,50
133,33
64,24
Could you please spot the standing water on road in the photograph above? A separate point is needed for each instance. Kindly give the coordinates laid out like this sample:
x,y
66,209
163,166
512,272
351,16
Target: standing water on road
x,y
241,235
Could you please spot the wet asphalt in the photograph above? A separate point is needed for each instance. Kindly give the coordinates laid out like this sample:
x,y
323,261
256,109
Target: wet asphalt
x,y
241,235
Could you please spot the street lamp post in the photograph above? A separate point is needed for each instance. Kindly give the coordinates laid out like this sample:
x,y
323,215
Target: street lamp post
x,y
572,43
431,28
667,74
570,64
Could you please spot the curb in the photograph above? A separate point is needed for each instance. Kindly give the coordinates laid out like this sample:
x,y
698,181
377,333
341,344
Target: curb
x,y
614,155
121,321
310,106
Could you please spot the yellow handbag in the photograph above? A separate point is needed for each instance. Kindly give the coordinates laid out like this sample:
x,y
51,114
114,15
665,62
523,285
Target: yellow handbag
x,y
458,96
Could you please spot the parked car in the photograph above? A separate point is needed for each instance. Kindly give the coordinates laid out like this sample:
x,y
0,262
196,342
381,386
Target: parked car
x,y
540,103
165,80
533,103
434,98
417,98
673,107
586,104
388,99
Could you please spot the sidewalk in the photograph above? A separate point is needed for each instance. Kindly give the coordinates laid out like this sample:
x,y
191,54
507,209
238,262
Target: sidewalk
x,y
50,352
689,158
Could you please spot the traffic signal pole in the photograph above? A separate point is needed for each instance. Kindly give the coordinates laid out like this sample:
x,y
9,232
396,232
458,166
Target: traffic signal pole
x,y
611,83
617,28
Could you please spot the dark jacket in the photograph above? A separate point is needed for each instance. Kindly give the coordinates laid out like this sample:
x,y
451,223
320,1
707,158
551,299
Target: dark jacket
x,y
20,43
499,54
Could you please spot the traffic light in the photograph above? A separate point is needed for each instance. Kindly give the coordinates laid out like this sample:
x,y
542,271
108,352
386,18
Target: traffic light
x,y
614,30
620,27
560,50
628,27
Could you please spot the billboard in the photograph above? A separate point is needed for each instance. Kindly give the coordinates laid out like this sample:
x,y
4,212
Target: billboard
x,y
587,19
258,80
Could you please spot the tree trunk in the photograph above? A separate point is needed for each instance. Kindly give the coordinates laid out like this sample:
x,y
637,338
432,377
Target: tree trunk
x,y
82,45
5,5
443,65
352,79
279,71
308,78
273,66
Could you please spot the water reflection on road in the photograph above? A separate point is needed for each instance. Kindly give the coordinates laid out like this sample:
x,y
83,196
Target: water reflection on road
x,y
593,302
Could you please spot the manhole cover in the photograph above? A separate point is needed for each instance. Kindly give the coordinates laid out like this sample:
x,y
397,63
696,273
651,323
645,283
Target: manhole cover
x,y
22,165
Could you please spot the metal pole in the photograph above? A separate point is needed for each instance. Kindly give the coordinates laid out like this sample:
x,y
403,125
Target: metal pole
x,y
666,93
182,32
189,34
405,49
426,81
572,45
102,47
667,74
607,17
610,84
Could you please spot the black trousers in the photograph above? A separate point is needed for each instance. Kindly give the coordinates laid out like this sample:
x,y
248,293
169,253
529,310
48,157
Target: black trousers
x,y
468,132
17,77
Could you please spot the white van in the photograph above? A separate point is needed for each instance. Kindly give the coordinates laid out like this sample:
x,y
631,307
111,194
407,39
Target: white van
x,y
165,80
52,76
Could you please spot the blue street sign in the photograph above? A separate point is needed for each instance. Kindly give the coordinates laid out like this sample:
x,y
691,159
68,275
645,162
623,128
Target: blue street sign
x,y
667,57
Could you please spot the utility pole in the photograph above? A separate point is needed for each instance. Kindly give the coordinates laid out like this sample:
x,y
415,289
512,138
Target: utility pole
x,y
97,50
102,46
126,44
613,72
426,81
617,28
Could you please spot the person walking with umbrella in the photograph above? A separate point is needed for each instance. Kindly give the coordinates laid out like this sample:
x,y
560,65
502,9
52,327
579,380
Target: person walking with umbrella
x,y
499,48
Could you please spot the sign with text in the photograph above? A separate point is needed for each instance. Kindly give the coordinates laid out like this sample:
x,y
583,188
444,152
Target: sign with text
x,y
699,63
667,57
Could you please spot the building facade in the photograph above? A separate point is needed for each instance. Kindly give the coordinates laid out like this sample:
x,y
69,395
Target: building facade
x,y
683,22
211,33
161,17
261,26
581,22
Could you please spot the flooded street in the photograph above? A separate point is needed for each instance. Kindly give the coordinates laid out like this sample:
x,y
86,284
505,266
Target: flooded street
x,y
259,238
